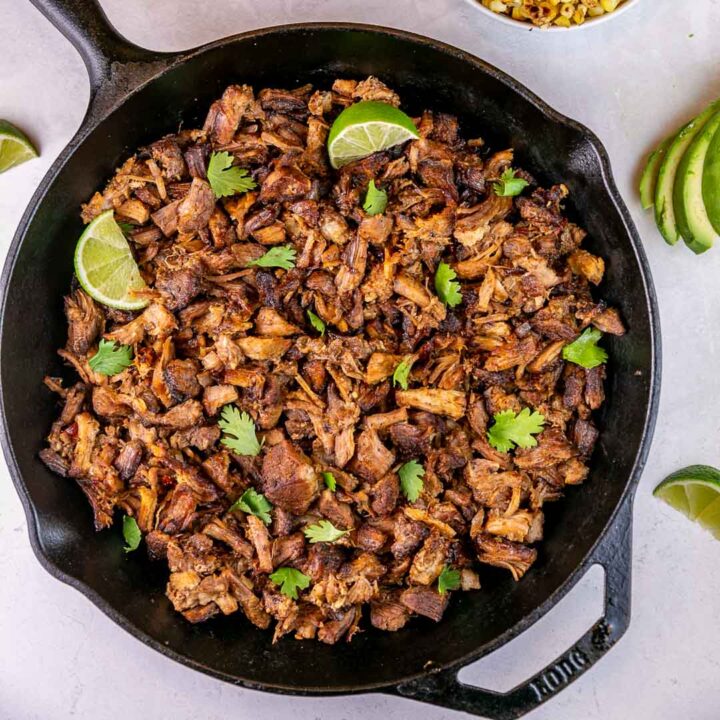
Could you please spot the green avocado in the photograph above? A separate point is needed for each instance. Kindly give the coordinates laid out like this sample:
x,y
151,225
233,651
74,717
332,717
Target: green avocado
x,y
711,182
692,219
648,180
664,209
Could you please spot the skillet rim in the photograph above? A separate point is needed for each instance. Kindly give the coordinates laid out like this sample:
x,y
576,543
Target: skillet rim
x,y
93,120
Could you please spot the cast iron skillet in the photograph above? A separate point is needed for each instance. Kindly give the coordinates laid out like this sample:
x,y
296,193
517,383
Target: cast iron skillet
x,y
138,95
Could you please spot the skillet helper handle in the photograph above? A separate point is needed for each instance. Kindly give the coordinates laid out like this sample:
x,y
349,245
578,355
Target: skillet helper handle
x,y
115,65
615,554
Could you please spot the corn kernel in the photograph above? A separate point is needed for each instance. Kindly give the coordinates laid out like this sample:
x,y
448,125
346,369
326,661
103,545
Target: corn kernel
x,y
579,15
562,13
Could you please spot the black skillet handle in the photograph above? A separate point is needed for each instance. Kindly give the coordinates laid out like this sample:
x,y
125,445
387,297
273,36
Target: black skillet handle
x,y
115,65
615,555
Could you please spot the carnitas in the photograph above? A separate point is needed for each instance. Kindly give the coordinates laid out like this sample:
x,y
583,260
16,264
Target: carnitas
x,y
309,353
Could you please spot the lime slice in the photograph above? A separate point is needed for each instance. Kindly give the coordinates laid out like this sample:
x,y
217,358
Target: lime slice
x,y
365,128
695,492
15,148
105,266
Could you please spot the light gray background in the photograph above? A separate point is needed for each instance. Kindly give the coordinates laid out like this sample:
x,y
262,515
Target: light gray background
x,y
632,81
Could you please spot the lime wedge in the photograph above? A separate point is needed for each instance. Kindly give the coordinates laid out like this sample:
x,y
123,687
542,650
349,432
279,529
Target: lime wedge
x,y
695,492
105,266
365,128
15,148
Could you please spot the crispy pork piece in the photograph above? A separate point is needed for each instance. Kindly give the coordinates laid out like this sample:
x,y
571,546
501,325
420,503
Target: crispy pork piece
x,y
425,601
85,322
202,437
128,459
270,322
591,267
388,612
182,286
195,210
217,396
372,459
156,321
285,184
385,494
429,560
169,157
289,479
181,379
260,539
609,322
225,115
513,556
451,403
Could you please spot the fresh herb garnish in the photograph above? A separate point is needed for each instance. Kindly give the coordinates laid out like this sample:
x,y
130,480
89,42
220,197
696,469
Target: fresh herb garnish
x,y
509,185
131,533
330,481
254,503
323,531
411,479
402,373
126,227
449,580
290,580
226,179
585,351
280,256
376,200
511,429
241,425
316,322
447,288
110,359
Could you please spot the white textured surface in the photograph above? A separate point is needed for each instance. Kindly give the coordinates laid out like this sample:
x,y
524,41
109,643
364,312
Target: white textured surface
x,y
631,81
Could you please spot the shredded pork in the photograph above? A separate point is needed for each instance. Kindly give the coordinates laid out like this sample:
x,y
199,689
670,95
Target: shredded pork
x,y
217,331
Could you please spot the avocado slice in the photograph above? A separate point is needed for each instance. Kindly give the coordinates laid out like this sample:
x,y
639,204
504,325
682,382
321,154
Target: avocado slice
x,y
648,180
711,182
692,219
664,209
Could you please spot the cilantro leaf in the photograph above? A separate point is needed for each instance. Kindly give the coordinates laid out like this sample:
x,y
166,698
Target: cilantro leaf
x,y
280,256
290,580
316,322
110,359
509,185
226,180
449,580
376,200
323,531
411,479
585,351
254,503
511,429
402,372
447,288
233,422
126,227
131,533
330,481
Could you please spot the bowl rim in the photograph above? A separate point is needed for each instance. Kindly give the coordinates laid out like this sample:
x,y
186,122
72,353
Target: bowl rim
x,y
529,27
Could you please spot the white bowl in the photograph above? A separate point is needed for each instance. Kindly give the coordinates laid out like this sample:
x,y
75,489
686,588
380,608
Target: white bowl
x,y
522,25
